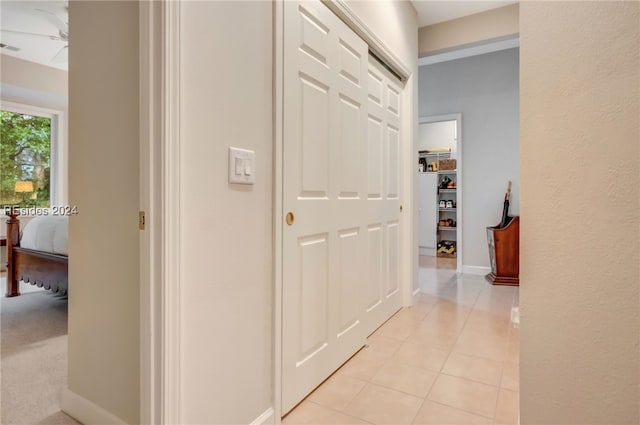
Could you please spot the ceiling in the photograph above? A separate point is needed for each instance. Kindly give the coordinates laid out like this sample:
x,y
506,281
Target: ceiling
x,y
45,45
43,22
432,12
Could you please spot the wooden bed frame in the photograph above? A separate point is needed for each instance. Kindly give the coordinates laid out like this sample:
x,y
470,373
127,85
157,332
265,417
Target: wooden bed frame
x,y
43,269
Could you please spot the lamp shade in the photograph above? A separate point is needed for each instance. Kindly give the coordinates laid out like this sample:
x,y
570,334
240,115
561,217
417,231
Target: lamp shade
x,y
24,186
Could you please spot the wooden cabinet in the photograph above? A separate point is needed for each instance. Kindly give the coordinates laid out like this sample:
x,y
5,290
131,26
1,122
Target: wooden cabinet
x,y
504,252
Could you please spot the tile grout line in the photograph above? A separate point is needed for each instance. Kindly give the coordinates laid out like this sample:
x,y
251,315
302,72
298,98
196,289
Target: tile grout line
x,y
499,388
472,380
366,381
462,410
451,352
342,412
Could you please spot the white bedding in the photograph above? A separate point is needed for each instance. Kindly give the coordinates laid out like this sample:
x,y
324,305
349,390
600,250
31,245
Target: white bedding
x,y
46,233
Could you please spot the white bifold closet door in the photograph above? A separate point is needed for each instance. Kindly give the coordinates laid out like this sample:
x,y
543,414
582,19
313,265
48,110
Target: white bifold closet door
x,y
341,184
382,287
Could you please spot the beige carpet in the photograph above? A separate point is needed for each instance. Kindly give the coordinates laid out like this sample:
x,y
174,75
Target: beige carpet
x,y
33,353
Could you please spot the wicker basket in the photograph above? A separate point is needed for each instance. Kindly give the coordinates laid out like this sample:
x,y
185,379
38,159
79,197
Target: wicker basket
x,y
447,164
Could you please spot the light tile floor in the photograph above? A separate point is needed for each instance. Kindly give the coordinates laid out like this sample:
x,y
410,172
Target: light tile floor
x,y
450,359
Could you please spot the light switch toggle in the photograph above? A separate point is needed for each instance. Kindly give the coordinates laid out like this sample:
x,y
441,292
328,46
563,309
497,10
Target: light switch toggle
x,y
241,166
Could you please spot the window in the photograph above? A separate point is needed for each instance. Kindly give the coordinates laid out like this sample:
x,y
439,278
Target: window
x,y
27,150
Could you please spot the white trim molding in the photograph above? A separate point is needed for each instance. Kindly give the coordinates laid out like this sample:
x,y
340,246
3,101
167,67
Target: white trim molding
x,y
410,255
266,418
170,148
475,50
160,303
87,412
515,315
457,117
278,213
476,270
149,186
59,142
430,252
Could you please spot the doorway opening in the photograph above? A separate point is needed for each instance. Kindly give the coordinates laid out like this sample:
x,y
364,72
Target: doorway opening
x,y
440,193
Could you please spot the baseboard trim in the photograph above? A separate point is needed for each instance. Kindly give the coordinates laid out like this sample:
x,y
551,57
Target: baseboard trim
x,y
515,315
87,412
266,418
477,270
415,296
431,252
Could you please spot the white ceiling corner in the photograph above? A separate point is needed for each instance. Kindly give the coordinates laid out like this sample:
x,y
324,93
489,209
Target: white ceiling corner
x,y
24,16
34,17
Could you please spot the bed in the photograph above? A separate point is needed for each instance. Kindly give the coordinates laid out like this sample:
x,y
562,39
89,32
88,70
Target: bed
x,y
37,255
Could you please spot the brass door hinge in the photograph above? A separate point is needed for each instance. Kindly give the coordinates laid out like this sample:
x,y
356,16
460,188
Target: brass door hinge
x,y
141,220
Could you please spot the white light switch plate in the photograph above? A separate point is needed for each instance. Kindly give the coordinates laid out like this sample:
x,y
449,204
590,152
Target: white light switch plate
x,y
242,166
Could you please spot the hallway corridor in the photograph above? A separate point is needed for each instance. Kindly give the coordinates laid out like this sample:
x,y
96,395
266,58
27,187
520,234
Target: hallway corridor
x,y
450,359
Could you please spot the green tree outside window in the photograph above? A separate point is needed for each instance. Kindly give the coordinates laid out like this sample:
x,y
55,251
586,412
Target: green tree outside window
x,y
25,155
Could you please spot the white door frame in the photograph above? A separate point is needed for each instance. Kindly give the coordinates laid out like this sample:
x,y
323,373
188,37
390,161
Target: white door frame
x,y
409,262
460,223
160,289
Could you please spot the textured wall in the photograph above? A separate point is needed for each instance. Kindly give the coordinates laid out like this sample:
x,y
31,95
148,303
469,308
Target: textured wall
x,y
580,212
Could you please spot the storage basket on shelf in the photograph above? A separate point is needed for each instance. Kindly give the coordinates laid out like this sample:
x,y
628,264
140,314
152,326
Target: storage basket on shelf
x,y
447,164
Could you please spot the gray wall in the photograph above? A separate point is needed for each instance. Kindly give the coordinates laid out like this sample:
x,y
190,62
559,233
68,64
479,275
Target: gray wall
x,y
485,90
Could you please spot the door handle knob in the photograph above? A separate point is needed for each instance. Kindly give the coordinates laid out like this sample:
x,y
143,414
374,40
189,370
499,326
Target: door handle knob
x,y
290,218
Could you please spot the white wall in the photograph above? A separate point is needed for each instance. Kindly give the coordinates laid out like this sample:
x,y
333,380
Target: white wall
x,y
227,240
485,90
32,83
441,134
395,22
580,228
227,231
103,237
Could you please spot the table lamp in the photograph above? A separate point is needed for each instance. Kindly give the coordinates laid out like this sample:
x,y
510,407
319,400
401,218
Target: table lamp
x,y
23,186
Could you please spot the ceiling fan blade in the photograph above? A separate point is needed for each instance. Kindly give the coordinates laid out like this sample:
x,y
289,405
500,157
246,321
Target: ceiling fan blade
x,y
55,20
32,34
62,56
